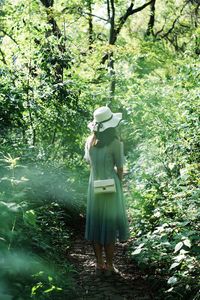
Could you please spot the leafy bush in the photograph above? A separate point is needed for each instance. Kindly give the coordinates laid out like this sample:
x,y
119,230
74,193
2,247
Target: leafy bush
x,y
34,236
165,195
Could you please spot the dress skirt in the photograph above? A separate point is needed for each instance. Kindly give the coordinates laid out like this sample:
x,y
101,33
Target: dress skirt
x,y
106,218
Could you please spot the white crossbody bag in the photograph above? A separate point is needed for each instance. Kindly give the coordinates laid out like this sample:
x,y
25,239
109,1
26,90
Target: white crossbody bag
x,y
104,186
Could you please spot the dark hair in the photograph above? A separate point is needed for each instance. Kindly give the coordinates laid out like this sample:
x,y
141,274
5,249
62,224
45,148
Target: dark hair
x,y
101,139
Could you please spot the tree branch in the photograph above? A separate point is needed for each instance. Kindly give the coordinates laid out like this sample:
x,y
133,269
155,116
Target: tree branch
x,y
9,36
3,57
172,27
130,11
92,15
80,11
174,23
160,30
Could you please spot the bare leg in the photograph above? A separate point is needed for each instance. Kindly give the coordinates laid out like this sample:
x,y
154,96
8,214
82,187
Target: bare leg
x,y
98,249
109,250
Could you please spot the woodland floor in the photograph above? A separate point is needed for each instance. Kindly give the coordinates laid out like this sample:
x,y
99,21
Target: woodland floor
x,y
129,283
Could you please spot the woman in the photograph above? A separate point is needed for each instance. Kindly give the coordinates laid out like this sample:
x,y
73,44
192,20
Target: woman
x,y
106,218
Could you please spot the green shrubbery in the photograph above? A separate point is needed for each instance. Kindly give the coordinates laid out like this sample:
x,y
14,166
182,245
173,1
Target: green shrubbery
x,y
51,79
36,208
164,201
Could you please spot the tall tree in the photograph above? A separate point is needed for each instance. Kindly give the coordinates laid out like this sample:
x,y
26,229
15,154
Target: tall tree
x,y
151,19
118,25
90,24
57,34
111,18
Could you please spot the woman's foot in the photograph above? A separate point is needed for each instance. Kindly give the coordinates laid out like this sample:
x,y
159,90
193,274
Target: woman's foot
x,y
99,269
110,270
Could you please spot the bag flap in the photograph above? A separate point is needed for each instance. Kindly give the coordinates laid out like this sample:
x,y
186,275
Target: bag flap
x,y
104,183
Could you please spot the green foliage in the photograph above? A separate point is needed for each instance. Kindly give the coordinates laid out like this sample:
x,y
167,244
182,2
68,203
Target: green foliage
x,y
51,79
33,239
165,186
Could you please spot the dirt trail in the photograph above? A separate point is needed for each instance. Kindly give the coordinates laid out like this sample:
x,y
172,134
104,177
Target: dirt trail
x,y
129,284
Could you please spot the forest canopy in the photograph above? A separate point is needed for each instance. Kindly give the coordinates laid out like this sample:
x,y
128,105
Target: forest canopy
x,y
59,60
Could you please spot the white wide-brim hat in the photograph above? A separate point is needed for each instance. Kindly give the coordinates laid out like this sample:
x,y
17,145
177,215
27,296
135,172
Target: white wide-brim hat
x,y
104,118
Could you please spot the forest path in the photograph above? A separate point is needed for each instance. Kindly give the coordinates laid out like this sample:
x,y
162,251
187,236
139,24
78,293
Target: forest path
x,y
129,284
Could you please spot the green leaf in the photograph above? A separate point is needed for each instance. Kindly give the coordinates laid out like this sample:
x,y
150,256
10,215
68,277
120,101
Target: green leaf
x,y
30,217
50,289
137,251
172,280
171,165
11,206
36,287
178,247
187,243
174,265
180,257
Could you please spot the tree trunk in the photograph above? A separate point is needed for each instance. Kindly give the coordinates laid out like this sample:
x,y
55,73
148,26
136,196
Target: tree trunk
x,y
111,17
57,33
122,20
197,44
151,19
112,77
90,24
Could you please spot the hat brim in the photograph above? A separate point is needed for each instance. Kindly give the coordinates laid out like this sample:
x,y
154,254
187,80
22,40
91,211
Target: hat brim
x,y
114,122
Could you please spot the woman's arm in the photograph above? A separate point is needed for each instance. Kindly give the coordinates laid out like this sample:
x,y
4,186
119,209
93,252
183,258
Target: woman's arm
x,y
118,152
120,173
87,145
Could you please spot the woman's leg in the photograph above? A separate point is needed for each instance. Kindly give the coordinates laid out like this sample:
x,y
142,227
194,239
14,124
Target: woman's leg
x,y
98,250
109,251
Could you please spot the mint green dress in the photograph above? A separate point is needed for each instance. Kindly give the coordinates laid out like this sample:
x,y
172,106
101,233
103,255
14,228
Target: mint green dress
x,y
106,218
